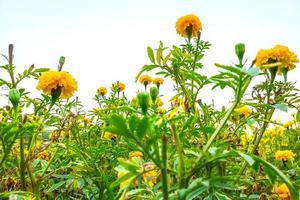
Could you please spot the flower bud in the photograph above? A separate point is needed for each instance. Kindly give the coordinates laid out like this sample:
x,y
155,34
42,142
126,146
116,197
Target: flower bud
x,y
14,97
143,98
153,93
240,51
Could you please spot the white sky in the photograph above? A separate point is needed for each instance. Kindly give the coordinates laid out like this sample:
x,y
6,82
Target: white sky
x,y
105,41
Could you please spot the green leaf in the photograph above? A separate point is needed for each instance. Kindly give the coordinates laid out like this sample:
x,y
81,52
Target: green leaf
x,y
151,54
142,127
56,186
118,124
248,158
281,106
39,70
298,116
272,171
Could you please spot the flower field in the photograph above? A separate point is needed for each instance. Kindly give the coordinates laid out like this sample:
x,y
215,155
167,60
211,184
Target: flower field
x,y
141,147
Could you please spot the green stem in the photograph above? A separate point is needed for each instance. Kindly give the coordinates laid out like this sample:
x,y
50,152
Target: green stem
x,y
22,163
179,149
267,117
164,168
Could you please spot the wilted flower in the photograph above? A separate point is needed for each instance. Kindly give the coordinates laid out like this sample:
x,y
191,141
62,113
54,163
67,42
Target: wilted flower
x,y
42,156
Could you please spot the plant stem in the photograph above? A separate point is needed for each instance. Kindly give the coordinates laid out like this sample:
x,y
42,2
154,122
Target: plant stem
x,y
164,168
179,149
267,117
22,163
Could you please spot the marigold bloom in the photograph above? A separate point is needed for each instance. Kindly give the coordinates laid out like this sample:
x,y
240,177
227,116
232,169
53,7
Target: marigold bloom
x,y
151,177
159,101
109,135
145,79
288,124
278,53
283,192
135,154
102,90
119,86
284,155
158,81
245,111
188,23
42,156
52,80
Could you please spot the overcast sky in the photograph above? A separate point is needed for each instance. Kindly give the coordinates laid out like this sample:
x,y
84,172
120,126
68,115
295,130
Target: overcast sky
x,y
105,41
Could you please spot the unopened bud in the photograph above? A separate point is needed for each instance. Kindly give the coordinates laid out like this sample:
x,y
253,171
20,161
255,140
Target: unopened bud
x,y
143,98
240,51
14,97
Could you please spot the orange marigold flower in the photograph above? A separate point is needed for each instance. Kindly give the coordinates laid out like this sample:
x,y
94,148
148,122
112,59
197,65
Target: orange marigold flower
x,y
279,53
52,80
42,156
188,25
158,81
283,192
244,110
145,79
102,90
284,155
119,86
135,154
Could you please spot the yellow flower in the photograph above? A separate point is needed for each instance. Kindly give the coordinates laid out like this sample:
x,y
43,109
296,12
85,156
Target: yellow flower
x,y
52,80
135,154
245,111
151,177
188,25
145,79
158,81
278,53
283,192
109,135
245,139
162,110
42,156
86,120
284,155
159,101
288,124
102,90
119,86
